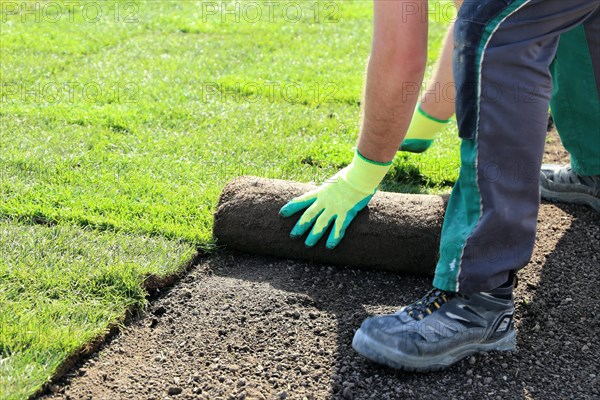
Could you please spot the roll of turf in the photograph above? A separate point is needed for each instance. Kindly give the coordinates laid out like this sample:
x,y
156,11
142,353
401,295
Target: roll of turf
x,y
395,232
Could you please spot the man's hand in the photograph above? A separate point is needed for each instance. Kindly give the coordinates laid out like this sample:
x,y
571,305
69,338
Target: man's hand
x,y
396,67
337,201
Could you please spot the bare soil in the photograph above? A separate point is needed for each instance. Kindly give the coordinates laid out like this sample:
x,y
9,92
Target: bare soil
x,y
248,327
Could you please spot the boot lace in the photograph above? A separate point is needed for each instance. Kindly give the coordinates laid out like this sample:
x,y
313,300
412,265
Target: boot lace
x,y
427,304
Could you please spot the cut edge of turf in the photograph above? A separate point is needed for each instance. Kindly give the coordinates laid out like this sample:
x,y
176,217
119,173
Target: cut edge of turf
x,y
43,219
154,286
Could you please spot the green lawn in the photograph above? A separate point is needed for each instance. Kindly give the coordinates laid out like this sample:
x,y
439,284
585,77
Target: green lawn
x,y
117,136
62,286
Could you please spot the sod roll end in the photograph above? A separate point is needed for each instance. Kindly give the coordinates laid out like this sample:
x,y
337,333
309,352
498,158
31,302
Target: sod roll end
x,y
395,232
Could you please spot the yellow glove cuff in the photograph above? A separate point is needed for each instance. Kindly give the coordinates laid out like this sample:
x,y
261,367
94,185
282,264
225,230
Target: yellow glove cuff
x,y
364,174
424,126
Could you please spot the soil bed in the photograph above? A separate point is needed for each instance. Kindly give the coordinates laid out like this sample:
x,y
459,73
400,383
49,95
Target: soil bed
x,y
241,326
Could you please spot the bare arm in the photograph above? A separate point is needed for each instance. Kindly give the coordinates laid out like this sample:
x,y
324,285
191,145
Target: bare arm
x,y
395,69
438,100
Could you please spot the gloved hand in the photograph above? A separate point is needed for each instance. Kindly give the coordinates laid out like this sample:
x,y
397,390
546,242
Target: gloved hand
x,y
422,131
339,199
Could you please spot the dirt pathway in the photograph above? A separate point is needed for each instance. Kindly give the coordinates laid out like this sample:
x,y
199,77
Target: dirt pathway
x,y
244,327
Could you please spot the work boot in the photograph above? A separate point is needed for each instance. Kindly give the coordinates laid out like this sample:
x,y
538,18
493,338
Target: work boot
x,y
440,329
562,184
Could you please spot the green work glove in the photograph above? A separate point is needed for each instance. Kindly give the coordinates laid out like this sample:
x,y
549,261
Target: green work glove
x,y
422,131
339,199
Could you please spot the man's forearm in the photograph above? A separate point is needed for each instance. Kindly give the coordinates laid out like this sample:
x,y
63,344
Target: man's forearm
x,y
394,76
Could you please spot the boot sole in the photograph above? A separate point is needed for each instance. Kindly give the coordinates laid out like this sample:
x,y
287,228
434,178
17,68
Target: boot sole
x,y
571,197
393,358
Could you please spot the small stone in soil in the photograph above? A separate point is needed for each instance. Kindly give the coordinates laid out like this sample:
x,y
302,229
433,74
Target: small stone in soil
x,y
174,390
347,394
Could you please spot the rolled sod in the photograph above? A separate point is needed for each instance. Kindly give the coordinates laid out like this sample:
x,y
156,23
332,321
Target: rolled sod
x,y
395,232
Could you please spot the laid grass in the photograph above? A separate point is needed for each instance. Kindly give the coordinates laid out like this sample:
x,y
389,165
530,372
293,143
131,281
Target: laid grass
x,y
136,126
123,131
62,286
